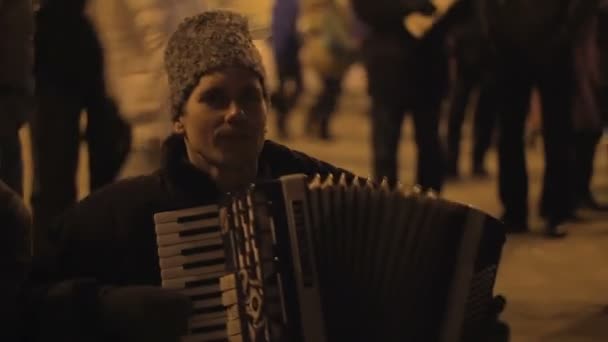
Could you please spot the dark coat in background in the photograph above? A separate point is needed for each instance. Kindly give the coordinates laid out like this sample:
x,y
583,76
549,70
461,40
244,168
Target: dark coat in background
x,y
16,84
16,59
108,239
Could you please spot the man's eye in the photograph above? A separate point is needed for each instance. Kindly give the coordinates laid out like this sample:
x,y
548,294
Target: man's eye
x,y
251,97
215,99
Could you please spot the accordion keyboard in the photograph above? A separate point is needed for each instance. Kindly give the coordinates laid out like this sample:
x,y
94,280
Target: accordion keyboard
x,y
192,261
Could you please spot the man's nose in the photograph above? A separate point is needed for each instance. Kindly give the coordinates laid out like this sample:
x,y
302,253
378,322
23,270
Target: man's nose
x,y
235,113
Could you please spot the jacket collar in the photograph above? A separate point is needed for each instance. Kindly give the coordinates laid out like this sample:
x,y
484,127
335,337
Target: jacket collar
x,y
184,180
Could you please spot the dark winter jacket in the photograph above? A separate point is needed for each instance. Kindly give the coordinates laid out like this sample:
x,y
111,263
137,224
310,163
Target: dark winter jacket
x,y
16,60
109,237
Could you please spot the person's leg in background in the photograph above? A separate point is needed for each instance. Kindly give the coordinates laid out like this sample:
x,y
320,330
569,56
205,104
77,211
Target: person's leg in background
x,y
463,87
55,135
386,134
386,61
11,165
556,88
484,126
320,113
586,142
430,170
512,108
430,73
285,97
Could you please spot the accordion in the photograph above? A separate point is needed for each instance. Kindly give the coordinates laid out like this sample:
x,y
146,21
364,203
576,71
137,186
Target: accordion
x,y
316,259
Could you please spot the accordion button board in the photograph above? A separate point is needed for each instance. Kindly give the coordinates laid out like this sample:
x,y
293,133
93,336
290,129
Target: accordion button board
x,y
304,259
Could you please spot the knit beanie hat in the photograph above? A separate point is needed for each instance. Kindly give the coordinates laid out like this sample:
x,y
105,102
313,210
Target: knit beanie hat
x,y
204,43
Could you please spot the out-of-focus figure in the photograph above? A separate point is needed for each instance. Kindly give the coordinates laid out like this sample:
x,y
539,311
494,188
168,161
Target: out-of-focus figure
x,y
470,53
536,49
602,39
588,121
286,48
14,259
405,73
69,73
321,32
16,85
133,34
329,47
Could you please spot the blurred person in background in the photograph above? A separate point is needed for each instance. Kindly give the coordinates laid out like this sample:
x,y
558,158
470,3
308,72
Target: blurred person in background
x,y
133,34
286,49
69,75
405,73
536,49
329,47
470,52
16,85
588,121
602,39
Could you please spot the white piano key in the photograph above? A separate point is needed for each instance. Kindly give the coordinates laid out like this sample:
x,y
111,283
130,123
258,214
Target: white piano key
x,y
210,323
235,338
181,272
215,336
232,312
207,303
195,319
181,260
179,249
201,290
181,283
233,327
173,216
230,298
175,238
228,282
175,227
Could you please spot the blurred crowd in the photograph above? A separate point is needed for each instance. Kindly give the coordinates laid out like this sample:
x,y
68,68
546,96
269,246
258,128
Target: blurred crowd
x,y
60,58
419,55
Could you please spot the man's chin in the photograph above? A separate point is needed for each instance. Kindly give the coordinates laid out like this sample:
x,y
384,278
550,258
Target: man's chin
x,y
238,157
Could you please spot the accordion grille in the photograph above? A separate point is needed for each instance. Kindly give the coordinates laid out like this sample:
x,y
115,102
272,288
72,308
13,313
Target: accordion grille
x,y
480,299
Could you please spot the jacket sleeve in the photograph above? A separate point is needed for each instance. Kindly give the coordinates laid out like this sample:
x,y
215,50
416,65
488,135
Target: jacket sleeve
x,y
284,161
61,293
16,63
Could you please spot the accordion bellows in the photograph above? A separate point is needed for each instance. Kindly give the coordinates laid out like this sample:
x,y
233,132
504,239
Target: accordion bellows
x,y
330,259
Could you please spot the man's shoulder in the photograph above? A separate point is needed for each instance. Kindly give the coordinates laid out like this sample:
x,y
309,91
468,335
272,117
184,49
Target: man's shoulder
x,y
283,160
112,201
128,189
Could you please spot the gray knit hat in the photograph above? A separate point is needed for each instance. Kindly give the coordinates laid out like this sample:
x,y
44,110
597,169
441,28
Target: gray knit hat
x,y
206,42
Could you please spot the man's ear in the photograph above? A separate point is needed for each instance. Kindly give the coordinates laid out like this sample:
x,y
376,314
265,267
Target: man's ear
x,y
178,126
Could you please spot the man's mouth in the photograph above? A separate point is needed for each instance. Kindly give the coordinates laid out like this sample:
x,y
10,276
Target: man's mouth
x,y
232,135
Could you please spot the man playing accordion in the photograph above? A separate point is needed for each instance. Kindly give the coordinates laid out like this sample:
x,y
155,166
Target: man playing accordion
x,y
101,282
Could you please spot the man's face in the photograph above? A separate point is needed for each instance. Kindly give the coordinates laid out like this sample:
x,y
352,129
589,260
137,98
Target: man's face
x,y
224,118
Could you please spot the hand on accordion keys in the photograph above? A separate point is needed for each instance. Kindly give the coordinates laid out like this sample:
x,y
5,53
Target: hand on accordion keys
x,y
144,313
